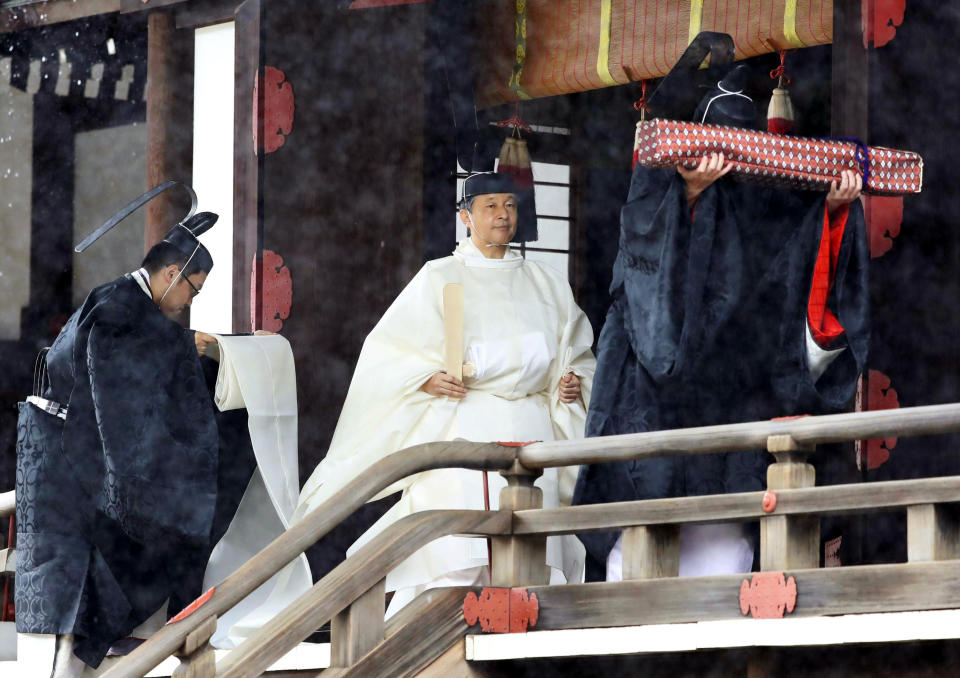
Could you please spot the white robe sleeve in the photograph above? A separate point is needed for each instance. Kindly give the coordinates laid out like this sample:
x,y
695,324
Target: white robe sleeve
x,y
384,410
574,355
257,373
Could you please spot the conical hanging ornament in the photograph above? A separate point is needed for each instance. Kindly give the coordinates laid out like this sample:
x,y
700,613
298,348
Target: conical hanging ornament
x,y
639,105
780,118
514,161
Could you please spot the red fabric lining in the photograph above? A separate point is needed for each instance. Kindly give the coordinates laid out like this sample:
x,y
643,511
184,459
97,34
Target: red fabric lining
x,y
824,326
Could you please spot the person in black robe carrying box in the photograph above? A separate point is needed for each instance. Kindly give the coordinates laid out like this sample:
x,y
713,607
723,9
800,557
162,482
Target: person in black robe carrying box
x,y
118,459
731,302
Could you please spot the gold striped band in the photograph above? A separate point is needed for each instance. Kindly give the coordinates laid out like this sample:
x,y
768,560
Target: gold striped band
x,y
603,52
696,19
790,24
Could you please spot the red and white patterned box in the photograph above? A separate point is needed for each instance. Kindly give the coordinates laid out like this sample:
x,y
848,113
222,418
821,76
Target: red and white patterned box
x,y
776,159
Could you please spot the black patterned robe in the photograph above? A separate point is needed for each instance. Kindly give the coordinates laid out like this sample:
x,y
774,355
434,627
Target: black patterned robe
x,y
116,504
707,326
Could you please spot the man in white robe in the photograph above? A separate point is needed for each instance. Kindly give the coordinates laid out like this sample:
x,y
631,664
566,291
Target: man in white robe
x,y
529,347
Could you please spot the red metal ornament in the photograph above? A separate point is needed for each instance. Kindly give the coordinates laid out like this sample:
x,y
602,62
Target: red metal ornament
x,y
831,552
768,595
502,610
884,216
879,20
769,501
880,396
194,606
277,293
278,105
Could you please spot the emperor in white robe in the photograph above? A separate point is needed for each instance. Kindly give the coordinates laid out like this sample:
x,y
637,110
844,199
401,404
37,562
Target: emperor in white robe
x,y
522,332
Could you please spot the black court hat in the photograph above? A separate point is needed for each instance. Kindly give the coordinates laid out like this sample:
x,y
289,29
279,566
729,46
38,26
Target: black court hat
x,y
484,183
184,236
726,104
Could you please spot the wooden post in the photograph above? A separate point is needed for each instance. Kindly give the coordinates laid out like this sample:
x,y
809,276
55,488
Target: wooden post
x,y
651,552
789,542
933,532
520,561
196,654
359,628
169,96
248,175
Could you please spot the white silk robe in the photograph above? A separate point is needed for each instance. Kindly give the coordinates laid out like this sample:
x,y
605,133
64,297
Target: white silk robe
x,y
523,332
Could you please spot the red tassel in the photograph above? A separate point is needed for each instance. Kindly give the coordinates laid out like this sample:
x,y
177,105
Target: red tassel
x,y
515,161
780,119
780,112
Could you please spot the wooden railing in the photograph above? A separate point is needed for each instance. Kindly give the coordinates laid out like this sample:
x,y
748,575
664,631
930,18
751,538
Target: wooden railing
x,y
353,593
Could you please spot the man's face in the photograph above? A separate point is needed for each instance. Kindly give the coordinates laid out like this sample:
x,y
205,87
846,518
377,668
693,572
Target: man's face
x,y
182,292
494,217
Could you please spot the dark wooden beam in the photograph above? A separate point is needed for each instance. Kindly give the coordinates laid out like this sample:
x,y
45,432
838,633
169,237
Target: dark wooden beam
x,y
149,5
56,121
829,591
850,71
746,506
190,13
849,85
206,13
51,245
53,12
247,165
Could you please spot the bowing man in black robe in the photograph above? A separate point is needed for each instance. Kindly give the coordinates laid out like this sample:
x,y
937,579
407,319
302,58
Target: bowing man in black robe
x,y
117,461
721,313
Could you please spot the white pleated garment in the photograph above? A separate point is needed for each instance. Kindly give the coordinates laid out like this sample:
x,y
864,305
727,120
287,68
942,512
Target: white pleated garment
x,y
522,326
257,372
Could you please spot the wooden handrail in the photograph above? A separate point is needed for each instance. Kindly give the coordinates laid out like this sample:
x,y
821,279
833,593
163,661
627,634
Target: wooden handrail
x,y
744,506
397,542
8,503
348,580
855,589
492,456
293,542
832,428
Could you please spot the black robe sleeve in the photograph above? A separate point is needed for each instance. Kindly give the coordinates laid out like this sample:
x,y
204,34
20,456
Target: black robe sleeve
x,y
707,326
141,434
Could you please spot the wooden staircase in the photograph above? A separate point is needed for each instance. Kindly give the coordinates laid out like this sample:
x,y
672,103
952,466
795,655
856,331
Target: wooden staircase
x,y
653,612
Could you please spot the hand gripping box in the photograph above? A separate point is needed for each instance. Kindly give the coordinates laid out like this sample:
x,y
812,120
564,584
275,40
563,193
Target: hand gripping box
x,y
778,160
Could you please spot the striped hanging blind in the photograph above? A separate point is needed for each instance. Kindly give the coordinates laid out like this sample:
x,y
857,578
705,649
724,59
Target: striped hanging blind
x,y
539,48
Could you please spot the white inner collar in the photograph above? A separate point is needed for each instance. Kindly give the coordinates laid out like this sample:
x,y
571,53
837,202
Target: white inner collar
x,y
141,277
468,255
